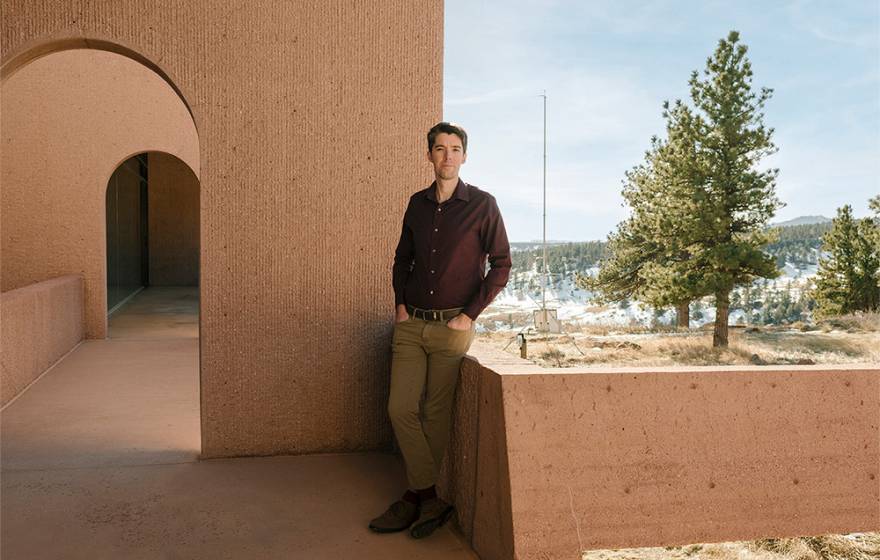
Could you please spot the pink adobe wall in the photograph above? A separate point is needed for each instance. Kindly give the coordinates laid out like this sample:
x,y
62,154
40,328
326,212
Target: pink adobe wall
x,y
575,460
311,118
69,119
173,222
40,324
475,476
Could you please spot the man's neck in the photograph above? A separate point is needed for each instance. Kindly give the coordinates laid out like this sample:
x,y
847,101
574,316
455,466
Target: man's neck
x,y
445,188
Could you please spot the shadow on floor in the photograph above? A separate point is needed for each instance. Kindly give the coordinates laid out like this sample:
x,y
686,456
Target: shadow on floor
x,y
100,460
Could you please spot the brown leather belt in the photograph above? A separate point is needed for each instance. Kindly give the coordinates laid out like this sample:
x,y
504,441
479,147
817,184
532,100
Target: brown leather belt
x,y
433,314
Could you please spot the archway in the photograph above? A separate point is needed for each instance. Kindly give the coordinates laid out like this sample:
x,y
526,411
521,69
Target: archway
x,y
152,205
71,117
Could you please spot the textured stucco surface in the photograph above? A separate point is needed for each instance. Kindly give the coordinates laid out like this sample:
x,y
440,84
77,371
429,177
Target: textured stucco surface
x,y
173,196
40,324
475,470
311,119
100,461
627,458
69,119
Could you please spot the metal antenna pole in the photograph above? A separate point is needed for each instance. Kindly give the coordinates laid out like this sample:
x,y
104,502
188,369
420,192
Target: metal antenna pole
x,y
544,260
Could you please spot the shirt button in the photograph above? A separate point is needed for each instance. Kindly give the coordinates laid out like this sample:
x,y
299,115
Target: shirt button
x,y
432,272
435,229
431,292
433,250
439,209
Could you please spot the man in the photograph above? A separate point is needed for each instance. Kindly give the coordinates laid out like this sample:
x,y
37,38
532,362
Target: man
x,y
440,287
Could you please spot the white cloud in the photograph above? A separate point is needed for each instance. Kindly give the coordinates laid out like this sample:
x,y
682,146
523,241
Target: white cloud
x,y
837,26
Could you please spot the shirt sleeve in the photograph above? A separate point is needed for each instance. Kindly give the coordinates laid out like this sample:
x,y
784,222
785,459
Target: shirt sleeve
x,y
404,258
494,240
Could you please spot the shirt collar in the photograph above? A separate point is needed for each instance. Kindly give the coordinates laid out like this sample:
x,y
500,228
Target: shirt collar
x,y
462,191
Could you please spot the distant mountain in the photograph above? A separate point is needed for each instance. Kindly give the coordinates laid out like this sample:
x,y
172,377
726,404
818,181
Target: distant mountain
x,y
803,220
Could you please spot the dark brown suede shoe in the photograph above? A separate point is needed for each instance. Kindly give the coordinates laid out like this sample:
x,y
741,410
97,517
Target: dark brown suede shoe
x,y
398,517
434,514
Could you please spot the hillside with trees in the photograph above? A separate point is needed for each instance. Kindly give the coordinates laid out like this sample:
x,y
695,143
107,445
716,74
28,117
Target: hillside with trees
x,y
797,245
848,279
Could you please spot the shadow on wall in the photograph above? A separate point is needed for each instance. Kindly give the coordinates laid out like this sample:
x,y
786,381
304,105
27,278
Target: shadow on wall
x,y
71,118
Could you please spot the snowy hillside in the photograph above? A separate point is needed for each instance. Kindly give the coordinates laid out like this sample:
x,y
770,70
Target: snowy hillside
x,y
512,308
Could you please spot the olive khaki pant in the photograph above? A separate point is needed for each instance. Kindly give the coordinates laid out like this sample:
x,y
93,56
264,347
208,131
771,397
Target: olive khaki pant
x,y
425,361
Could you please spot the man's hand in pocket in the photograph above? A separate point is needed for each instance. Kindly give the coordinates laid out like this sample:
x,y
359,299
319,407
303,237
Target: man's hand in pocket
x,y
400,314
460,322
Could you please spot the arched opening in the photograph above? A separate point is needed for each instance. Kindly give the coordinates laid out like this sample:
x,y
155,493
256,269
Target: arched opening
x,y
152,224
69,119
75,122
128,252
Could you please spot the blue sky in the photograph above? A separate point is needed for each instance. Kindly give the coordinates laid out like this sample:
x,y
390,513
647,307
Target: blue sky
x,y
607,67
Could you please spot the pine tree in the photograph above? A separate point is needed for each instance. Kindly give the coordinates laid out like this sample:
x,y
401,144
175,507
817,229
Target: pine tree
x,y
700,206
867,245
848,279
647,240
736,201
874,204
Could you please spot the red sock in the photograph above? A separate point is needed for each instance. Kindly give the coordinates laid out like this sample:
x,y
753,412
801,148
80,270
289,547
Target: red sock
x,y
428,493
411,497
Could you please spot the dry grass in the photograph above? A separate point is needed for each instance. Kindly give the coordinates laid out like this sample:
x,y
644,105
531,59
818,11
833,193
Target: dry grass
x,y
856,322
862,546
621,347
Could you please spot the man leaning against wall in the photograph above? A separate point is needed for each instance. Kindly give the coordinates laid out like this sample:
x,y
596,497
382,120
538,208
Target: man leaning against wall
x,y
440,287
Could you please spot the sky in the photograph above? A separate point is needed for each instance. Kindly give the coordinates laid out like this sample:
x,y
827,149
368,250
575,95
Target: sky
x,y
607,67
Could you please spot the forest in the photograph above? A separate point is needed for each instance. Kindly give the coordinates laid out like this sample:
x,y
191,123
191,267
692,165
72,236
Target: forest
x,y
797,245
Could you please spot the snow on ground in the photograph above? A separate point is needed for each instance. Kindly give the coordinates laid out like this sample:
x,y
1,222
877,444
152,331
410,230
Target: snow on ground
x,y
522,296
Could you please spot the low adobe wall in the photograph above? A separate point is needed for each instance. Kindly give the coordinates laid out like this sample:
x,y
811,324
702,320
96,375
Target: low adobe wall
x,y
546,463
41,323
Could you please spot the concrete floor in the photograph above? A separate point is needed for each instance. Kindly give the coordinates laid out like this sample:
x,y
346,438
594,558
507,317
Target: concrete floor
x,y
100,460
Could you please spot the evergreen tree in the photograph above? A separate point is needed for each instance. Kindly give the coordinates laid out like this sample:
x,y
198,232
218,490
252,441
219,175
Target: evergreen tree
x,y
700,205
848,279
736,201
640,240
874,204
868,263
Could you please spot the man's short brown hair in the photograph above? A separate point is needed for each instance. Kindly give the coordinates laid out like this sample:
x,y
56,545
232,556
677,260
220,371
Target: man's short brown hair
x,y
448,128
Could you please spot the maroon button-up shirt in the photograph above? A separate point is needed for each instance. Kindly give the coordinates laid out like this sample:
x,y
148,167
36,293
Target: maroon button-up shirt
x,y
440,262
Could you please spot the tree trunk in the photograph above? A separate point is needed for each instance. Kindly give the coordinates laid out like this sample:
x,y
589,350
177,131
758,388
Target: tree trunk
x,y
683,314
722,308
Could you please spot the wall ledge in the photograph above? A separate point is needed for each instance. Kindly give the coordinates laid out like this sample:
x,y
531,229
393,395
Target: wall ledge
x,y
548,462
41,323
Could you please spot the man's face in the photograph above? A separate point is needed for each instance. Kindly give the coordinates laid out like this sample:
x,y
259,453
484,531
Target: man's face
x,y
446,156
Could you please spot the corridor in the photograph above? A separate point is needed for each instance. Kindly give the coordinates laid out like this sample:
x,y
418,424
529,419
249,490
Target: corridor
x,y
100,460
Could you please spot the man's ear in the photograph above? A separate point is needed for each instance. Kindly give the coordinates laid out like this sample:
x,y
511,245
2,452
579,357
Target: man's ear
x,y
464,157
